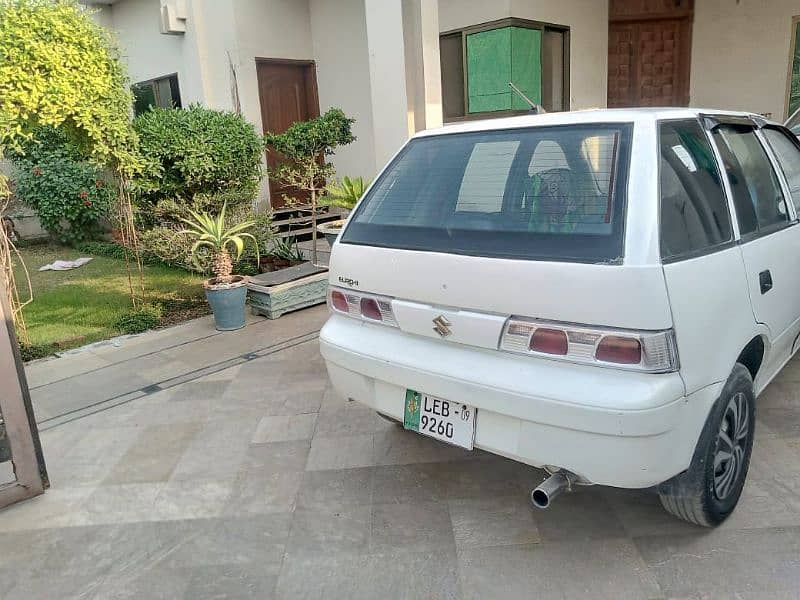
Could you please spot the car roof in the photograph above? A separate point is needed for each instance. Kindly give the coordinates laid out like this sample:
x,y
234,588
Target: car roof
x,y
596,115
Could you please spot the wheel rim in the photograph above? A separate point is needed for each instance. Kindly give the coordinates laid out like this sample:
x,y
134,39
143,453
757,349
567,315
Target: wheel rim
x,y
731,445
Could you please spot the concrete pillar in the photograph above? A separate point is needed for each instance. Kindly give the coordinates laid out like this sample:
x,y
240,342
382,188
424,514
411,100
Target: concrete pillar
x,y
405,84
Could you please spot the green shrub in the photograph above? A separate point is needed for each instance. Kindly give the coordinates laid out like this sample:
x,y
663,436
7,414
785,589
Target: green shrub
x,y
69,194
197,152
171,247
35,351
139,320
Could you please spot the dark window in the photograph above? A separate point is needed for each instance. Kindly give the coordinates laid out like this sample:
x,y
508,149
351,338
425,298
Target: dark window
x,y
162,92
694,211
478,63
757,194
538,193
788,154
794,69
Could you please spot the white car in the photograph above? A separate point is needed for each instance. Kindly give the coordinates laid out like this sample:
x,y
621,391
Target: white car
x,y
603,294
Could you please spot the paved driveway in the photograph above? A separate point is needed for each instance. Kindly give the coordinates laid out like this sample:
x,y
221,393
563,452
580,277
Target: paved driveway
x,y
186,466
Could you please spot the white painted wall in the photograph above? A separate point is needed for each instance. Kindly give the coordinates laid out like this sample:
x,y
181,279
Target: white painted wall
x,y
339,38
588,23
740,54
268,29
150,54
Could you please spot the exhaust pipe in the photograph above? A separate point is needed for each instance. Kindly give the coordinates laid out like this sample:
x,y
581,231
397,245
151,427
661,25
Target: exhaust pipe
x,y
551,488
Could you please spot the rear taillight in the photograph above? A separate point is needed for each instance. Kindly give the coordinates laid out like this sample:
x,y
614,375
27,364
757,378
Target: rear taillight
x,y
647,351
621,350
549,341
339,301
368,307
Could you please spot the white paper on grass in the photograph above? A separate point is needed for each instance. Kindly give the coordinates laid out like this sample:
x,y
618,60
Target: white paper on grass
x,y
65,265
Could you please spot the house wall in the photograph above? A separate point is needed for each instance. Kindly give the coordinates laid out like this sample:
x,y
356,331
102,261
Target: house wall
x,y
150,54
740,54
339,39
268,29
588,23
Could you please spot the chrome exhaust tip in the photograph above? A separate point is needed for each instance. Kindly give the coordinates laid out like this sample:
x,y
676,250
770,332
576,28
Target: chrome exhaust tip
x,y
560,481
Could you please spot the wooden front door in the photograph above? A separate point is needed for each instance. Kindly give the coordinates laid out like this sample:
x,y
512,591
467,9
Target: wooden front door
x,y
288,93
649,51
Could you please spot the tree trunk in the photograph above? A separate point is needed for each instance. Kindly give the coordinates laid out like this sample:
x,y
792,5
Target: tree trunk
x,y
314,225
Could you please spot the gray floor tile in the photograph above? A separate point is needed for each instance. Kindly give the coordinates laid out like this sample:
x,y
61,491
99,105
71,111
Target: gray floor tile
x,y
263,491
402,576
340,452
499,521
421,482
725,562
350,419
580,515
232,582
325,490
607,569
344,530
154,454
257,539
278,456
414,527
284,428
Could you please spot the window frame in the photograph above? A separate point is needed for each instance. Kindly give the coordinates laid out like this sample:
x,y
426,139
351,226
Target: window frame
x,y
793,41
153,82
792,206
712,122
499,24
725,194
624,162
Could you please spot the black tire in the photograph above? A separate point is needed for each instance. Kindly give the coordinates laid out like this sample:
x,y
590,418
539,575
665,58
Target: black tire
x,y
707,492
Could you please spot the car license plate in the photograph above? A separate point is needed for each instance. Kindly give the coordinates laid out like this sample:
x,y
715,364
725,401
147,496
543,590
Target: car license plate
x,y
450,422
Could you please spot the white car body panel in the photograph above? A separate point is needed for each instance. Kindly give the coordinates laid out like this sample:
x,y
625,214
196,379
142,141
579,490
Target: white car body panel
x,y
608,426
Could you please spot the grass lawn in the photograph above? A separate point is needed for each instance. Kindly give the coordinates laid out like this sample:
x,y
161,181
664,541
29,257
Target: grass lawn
x,y
72,308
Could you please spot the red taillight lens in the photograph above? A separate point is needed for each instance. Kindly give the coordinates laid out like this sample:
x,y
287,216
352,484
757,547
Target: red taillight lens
x,y
620,350
339,301
370,309
549,341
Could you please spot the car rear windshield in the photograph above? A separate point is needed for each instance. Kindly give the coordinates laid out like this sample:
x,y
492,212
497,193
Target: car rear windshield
x,y
546,193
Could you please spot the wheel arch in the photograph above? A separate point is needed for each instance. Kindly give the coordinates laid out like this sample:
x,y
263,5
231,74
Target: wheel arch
x,y
753,353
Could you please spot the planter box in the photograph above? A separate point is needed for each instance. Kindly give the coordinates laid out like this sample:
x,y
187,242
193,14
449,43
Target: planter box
x,y
279,292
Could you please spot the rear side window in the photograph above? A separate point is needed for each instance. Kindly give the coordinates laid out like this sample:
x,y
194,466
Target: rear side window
x,y
757,194
788,155
549,193
694,212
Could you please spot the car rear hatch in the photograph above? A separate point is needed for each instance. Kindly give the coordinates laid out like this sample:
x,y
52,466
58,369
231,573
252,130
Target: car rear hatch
x,y
464,230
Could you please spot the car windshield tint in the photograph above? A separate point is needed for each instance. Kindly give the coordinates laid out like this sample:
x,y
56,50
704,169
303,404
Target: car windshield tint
x,y
550,193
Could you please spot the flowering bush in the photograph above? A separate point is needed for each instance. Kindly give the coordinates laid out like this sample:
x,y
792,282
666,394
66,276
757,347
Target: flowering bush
x,y
70,197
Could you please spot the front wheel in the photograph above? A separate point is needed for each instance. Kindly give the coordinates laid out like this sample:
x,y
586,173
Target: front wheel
x,y
707,492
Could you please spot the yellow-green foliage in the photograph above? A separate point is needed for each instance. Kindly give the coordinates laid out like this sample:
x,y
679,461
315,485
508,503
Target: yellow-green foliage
x,y
59,68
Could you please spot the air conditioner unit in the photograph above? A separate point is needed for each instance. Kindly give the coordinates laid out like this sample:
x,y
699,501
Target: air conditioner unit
x,y
173,17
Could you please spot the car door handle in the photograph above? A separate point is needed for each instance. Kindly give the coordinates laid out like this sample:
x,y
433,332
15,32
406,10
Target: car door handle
x,y
765,281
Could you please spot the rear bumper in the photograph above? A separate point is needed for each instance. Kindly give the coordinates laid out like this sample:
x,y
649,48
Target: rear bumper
x,y
610,427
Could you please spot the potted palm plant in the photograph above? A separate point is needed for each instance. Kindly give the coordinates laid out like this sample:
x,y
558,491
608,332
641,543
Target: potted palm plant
x,y
214,239
342,194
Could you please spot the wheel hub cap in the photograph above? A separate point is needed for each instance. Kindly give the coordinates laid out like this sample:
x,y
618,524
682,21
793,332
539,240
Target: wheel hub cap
x,y
731,445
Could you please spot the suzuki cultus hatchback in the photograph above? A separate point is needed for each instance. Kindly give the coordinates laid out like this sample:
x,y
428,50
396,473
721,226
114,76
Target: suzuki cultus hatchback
x,y
602,294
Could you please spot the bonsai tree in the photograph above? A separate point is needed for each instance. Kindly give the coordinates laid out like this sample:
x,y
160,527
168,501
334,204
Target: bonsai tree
x,y
212,234
306,144
345,193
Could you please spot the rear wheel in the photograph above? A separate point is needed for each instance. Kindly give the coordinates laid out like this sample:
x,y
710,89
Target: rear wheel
x,y
709,490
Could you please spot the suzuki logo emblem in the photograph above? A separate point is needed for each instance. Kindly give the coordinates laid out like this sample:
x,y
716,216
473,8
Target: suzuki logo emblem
x,y
442,326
